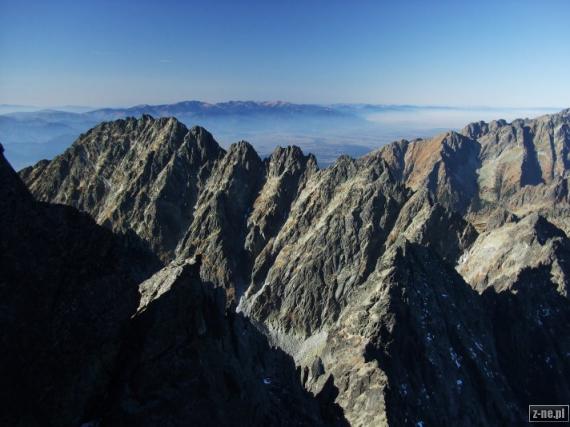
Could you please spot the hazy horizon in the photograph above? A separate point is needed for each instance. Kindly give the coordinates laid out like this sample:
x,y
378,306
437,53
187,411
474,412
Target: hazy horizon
x,y
6,108
353,129
424,67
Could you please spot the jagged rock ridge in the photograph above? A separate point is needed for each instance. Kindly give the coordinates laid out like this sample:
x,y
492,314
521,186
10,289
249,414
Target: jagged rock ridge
x,y
142,175
352,269
88,341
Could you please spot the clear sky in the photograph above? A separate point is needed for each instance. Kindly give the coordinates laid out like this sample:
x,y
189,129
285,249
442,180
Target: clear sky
x,y
110,53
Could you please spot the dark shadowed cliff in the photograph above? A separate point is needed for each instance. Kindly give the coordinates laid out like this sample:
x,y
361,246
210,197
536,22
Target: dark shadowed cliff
x,y
86,339
423,284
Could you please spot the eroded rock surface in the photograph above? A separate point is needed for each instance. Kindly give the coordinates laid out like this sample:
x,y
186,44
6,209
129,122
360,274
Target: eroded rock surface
x,y
423,284
189,362
88,341
142,175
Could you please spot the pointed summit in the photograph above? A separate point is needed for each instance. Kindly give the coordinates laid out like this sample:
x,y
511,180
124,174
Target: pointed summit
x,y
133,175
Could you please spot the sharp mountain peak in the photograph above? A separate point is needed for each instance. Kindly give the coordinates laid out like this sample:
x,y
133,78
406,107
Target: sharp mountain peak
x,y
348,269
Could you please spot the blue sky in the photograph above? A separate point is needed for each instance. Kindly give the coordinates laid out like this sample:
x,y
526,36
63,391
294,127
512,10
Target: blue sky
x,y
110,53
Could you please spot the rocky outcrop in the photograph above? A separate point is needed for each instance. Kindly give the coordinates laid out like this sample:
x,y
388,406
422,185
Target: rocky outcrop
x,y
445,166
85,344
327,247
141,175
189,362
416,346
430,224
499,256
287,173
423,284
218,231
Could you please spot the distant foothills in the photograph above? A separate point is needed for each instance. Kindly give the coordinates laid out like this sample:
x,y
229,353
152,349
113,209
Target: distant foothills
x,y
31,133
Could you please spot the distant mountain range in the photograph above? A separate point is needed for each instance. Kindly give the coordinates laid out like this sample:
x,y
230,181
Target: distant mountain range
x,y
206,109
30,134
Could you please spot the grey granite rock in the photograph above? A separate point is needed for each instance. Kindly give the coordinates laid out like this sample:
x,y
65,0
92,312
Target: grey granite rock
x,y
86,340
423,284
141,175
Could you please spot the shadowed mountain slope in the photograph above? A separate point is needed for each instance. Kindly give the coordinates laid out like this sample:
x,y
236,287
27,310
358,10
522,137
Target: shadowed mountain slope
x,y
394,281
86,339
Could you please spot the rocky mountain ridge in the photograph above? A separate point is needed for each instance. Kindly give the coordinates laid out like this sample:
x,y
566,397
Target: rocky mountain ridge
x,y
380,276
95,332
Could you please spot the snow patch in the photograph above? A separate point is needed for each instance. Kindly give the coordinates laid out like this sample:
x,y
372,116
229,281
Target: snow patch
x,y
454,357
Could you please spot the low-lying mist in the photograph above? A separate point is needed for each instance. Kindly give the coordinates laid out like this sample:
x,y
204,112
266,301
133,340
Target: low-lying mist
x,y
325,131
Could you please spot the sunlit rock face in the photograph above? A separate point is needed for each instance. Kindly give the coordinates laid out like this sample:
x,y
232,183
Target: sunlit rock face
x,y
95,331
140,175
422,284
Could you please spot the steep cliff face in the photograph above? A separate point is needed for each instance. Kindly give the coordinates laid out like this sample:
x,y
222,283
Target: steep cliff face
x,y
326,248
415,285
416,346
444,165
219,227
142,175
287,173
86,339
499,256
189,362
524,166
423,221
